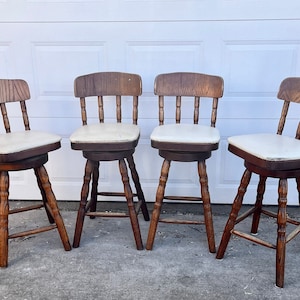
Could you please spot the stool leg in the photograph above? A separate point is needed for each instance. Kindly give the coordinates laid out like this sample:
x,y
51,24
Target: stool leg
x,y
298,188
4,210
281,232
49,215
139,191
94,191
89,167
158,203
206,206
51,200
131,209
258,204
236,206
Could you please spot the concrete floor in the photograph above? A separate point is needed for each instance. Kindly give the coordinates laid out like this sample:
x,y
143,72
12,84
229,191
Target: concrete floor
x,y
107,265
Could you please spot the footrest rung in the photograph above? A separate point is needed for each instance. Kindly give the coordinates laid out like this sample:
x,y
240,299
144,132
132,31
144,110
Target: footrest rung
x,y
31,232
253,239
114,194
22,209
176,221
107,214
182,198
245,215
274,215
293,234
138,206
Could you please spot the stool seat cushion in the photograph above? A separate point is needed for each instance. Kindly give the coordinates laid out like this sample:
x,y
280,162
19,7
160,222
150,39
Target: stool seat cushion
x,y
106,133
186,134
15,142
269,147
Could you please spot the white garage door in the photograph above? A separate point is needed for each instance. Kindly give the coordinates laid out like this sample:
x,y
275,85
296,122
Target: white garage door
x,y
252,44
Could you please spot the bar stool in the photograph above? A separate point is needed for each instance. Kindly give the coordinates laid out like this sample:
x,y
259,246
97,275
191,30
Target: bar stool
x,y
268,155
23,150
185,142
109,141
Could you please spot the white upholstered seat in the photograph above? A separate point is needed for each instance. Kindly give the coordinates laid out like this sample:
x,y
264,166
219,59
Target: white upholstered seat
x,y
272,147
14,142
106,133
186,133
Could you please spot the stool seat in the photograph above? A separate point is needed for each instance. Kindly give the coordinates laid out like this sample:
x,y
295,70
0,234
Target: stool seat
x,y
21,144
271,149
125,135
187,137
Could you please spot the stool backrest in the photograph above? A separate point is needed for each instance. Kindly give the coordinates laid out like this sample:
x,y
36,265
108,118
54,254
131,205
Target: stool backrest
x,y
183,84
289,91
14,90
102,84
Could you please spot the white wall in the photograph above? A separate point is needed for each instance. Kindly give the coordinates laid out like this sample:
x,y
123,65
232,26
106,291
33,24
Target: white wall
x,y
252,44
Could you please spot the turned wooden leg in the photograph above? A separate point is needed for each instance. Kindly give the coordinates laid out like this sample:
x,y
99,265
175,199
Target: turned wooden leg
x,y
43,177
206,206
94,191
258,204
45,201
89,167
298,188
281,232
131,209
236,206
139,191
158,203
4,210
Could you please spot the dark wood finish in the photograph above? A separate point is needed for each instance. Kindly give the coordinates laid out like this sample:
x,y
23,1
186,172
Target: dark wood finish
x,y
200,87
188,84
30,158
15,157
275,165
289,91
4,211
100,85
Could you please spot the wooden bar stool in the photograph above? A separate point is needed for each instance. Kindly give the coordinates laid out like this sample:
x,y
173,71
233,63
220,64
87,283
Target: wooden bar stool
x,y
109,141
22,150
268,155
185,142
